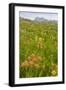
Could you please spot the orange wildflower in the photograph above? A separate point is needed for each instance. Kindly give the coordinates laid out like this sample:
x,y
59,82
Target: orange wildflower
x,y
25,64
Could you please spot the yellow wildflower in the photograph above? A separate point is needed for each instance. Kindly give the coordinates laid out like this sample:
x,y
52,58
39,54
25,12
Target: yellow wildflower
x,y
54,73
32,55
36,38
40,39
29,58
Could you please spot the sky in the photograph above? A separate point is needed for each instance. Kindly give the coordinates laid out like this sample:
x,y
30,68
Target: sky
x,y
33,15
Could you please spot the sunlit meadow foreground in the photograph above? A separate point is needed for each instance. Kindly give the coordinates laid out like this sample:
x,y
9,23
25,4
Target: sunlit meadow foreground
x,y
38,48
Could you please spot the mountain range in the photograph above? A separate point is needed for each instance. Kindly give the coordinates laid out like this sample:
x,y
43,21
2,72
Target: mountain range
x,y
39,19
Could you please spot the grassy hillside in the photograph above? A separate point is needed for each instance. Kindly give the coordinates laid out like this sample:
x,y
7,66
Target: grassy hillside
x,y
38,48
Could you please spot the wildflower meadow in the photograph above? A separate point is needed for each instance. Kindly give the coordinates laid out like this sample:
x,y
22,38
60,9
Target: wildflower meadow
x,y
38,48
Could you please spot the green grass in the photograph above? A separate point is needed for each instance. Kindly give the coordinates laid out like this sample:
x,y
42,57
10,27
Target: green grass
x,y
39,39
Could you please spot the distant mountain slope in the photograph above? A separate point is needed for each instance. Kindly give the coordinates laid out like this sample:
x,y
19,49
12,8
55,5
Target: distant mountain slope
x,y
40,19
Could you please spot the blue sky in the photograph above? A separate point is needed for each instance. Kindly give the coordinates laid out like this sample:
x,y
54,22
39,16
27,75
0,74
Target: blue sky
x,y
33,15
